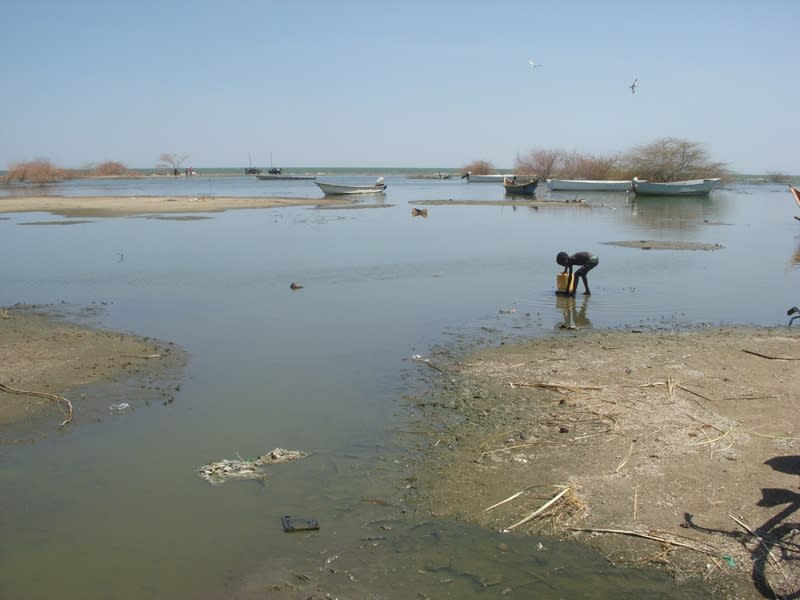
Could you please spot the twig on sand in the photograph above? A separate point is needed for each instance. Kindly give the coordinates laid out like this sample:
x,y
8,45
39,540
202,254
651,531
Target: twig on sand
x,y
648,536
509,499
625,460
672,384
141,355
770,357
539,511
558,387
64,404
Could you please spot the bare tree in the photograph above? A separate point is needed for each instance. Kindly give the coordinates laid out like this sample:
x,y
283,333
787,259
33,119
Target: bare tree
x,y
170,161
672,159
479,167
543,163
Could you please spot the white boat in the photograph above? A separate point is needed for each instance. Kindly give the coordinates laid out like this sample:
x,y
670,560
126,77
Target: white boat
x,y
335,189
485,178
282,176
689,187
590,185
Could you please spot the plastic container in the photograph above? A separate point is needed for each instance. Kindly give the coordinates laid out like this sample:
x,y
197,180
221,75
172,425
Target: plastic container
x,y
564,283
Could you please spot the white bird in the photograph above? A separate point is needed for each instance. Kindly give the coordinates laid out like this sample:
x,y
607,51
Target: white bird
x,y
633,85
533,64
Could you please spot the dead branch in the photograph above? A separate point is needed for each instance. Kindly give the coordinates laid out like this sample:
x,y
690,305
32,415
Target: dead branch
x,y
648,536
767,356
64,404
558,387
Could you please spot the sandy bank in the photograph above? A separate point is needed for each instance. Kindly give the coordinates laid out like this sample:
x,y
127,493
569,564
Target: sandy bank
x,y
110,206
662,448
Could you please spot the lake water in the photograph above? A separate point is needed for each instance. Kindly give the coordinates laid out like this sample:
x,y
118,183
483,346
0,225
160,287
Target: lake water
x,y
115,509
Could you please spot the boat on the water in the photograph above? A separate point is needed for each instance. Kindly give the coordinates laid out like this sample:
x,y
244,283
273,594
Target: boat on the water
x,y
590,185
494,178
689,187
516,186
335,189
282,176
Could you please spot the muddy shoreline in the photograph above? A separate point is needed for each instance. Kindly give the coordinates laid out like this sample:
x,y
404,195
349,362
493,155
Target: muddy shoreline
x,y
656,448
674,449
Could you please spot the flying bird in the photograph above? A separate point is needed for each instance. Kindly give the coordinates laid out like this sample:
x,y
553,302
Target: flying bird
x,y
633,85
533,64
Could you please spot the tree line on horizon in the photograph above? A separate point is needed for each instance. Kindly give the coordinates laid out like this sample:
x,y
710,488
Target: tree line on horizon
x,y
41,170
666,159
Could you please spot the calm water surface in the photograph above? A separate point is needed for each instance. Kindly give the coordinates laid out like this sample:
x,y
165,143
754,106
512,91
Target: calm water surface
x,y
115,509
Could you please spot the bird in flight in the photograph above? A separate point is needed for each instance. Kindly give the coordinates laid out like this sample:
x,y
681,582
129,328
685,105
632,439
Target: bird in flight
x,y
533,64
633,85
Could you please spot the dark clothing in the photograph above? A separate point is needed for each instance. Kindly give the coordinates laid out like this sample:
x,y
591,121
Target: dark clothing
x,y
585,261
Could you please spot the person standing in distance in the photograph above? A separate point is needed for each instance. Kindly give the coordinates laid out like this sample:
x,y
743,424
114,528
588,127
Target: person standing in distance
x,y
585,261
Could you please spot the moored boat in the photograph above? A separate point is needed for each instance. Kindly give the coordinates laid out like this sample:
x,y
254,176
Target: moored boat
x,y
516,186
689,187
282,176
493,178
590,185
334,189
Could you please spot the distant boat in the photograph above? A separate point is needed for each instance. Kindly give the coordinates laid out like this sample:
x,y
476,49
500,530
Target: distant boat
x,y
690,187
336,189
485,178
516,186
281,176
251,170
590,185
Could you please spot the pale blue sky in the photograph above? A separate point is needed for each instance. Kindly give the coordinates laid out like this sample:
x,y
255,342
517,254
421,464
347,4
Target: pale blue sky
x,y
401,84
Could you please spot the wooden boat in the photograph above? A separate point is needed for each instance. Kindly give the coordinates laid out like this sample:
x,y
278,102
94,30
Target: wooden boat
x,y
590,185
485,178
335,189
520,187
690,187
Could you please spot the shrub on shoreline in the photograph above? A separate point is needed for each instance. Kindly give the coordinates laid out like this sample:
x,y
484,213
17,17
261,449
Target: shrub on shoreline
x,y
39,170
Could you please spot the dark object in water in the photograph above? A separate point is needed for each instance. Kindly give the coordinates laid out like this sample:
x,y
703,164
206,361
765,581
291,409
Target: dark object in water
x,y
295,286
297,524
793,311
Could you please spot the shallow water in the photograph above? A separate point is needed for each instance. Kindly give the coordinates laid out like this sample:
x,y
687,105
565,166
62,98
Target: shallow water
x,y
115,509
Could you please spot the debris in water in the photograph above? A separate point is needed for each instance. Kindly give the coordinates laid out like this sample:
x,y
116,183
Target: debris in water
x,y
219,472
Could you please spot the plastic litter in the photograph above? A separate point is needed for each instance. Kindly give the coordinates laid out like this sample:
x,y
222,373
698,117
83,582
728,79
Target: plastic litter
x,y
298,524
119,407
218,472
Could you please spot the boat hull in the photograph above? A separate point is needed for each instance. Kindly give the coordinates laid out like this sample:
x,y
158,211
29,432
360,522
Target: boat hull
x,y
267,177
590,185
520,188
485,178
335,189
693,187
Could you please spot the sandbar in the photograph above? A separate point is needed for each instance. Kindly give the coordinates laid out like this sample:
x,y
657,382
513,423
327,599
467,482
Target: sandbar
x,y
118,206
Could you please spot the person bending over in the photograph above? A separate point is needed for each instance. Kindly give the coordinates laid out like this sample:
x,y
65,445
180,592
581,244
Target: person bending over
x,y
585,261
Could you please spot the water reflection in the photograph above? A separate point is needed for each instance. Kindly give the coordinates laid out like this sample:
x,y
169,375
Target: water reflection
x,y
574,311
674,212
